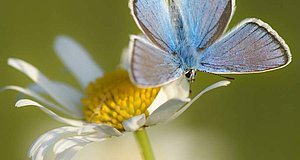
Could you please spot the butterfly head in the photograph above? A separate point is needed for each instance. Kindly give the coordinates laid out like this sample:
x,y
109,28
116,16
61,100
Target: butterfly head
x,y
190,75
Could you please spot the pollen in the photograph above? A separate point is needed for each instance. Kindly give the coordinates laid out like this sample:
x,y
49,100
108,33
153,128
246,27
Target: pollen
x,y
113,99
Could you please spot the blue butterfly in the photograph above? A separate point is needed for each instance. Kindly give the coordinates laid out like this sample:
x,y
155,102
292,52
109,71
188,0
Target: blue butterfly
x,y
185,36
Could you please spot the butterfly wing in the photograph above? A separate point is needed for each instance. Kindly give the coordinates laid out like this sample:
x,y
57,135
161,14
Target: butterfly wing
x,y
250,48
153,18
205,20
151,66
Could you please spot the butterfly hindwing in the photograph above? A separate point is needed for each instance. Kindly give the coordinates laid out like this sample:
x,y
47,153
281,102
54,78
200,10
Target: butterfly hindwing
x,y
252,47
151,66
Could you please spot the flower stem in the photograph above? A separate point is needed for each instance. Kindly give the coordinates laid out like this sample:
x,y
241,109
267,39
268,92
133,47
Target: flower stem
x,y
144,144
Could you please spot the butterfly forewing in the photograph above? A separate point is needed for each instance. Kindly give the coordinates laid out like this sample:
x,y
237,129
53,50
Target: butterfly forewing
x,y
252,47
205,20
151,66
177,22
153,18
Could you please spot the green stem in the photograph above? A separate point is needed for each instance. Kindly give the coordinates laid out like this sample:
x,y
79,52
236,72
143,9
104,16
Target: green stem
x,y
144,144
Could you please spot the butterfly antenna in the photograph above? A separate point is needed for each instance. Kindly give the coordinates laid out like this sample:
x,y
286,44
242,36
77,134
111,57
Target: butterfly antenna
x,y
226,77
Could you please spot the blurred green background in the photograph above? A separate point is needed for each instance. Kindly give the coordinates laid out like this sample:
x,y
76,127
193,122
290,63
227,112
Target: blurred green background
x,y
256,117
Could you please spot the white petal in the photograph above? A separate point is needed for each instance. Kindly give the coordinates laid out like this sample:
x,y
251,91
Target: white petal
x,y
77,60
74,97
67,143
68,147
134,123
107,129
160,99
70,142
63,94
100,129
125,59
165,111
36,88
33,94
69,153
44,142
27,102
216,85
40,147
91,134
178,89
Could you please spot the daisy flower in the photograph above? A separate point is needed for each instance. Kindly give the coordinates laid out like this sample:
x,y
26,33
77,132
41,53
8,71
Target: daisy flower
x,y
110,106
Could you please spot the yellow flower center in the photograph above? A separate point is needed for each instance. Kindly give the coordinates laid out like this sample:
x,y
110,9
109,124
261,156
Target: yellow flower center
x,y
113,99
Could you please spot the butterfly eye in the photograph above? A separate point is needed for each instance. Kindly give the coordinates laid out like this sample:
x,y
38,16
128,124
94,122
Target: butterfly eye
x,y
190,75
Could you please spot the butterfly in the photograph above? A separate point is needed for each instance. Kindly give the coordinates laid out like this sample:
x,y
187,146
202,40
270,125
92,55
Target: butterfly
x,y
185,36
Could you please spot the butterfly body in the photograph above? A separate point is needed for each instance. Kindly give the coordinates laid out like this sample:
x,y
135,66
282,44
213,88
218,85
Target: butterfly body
x,y
188,56
185,36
